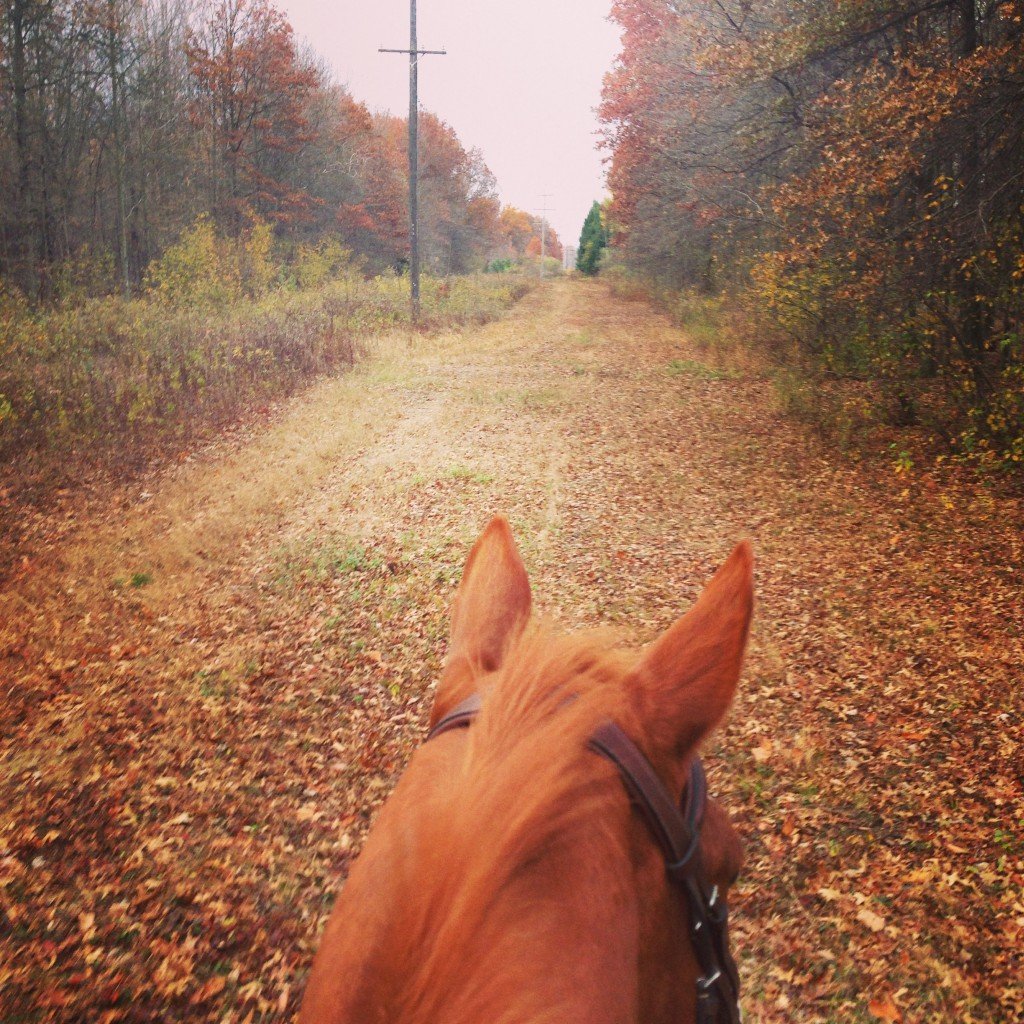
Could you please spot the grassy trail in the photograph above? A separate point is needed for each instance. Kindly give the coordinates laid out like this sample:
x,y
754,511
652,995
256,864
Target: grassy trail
x,y
213,678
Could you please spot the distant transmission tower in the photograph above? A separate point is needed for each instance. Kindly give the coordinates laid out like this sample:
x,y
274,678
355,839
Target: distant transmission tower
x,y
414,53
544,211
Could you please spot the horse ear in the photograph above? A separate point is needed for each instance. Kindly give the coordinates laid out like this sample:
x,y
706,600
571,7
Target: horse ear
x,y
686,679
492,605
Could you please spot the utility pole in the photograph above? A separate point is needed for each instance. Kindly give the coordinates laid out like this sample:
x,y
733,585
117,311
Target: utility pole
x,y
414,53
544,211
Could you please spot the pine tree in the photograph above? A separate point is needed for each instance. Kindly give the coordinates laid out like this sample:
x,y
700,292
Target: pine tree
x,y
593,240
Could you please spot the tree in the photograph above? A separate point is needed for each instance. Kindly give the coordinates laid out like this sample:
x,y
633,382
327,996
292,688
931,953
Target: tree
x,y
593,241
459,207
49,66
94,144
122,122
251,95
520,236
856,164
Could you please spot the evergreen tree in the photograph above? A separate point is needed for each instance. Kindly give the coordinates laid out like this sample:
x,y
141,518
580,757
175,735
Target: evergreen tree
x,y
593,241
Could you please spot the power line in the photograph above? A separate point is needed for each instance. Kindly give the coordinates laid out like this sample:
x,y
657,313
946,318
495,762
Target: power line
x,y
414,53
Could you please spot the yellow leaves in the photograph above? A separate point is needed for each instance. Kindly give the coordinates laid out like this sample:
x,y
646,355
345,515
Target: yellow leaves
x,y
258,268
201,268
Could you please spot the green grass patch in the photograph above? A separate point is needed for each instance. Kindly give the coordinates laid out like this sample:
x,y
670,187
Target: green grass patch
x,y
472,475
541,398
694,368
317,561
214,684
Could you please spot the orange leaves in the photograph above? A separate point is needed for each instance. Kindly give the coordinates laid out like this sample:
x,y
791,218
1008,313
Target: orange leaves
x,y
252,89
835,151
521,233
174,962
210,989
883,1008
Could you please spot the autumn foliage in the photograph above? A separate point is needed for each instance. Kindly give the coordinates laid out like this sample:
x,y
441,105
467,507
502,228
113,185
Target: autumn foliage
x,y
123,122
250,91
197,213
855,167
523,236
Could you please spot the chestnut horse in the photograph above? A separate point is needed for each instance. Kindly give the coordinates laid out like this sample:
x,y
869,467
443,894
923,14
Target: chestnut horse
x,y
509,877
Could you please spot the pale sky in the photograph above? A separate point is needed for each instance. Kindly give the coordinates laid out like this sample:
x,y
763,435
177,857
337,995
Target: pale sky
x,y
520,82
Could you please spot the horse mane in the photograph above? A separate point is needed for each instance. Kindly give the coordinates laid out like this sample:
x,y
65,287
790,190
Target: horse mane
x,y
524,782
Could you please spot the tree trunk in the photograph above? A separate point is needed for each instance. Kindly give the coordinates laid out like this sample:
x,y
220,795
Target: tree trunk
x,y
116,102
26,248
975,325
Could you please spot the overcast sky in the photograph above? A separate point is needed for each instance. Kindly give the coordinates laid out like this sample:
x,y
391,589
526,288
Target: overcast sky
x,y
520,82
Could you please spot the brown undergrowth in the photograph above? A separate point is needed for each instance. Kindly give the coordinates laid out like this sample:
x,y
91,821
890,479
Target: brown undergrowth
x,y
94,392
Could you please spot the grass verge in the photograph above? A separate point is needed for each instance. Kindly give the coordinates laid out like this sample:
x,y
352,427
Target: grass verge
x,y
109,379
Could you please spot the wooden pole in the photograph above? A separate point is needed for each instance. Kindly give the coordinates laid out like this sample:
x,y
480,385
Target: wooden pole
x,y
414,53
414,165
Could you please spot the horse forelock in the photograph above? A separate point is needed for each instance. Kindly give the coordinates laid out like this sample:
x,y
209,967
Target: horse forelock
x,y
523,781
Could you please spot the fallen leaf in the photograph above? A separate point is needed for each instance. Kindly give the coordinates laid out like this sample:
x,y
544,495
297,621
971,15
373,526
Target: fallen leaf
x,y
883,1008
870,919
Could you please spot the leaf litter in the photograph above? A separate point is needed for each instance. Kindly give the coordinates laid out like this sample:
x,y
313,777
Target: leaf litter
x,y
189,767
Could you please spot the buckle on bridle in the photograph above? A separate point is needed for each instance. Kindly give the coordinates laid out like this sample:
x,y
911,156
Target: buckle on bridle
x,y
705,983
717,910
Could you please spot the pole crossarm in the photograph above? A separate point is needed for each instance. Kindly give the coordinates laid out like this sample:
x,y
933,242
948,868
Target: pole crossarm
x,y
439,53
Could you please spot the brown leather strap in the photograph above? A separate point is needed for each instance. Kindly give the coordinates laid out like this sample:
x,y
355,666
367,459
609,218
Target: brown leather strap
x,y
459,717
678,834
677,831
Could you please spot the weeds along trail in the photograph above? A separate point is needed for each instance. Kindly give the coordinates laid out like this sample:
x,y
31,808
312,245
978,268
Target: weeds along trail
x,y
214,684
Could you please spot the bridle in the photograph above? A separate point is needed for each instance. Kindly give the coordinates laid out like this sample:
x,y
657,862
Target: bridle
x,y
677,830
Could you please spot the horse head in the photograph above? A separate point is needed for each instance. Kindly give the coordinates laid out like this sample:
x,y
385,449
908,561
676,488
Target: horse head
x,y
511,876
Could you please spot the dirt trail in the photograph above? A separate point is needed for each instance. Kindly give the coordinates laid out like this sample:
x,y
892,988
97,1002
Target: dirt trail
x,y
211,684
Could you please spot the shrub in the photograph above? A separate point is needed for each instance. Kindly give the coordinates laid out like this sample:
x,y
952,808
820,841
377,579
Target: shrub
x,y
195,349
258,269
199,268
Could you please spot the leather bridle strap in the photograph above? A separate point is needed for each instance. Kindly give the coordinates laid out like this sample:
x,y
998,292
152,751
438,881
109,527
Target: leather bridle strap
x,y
677,834
459,717
677,831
